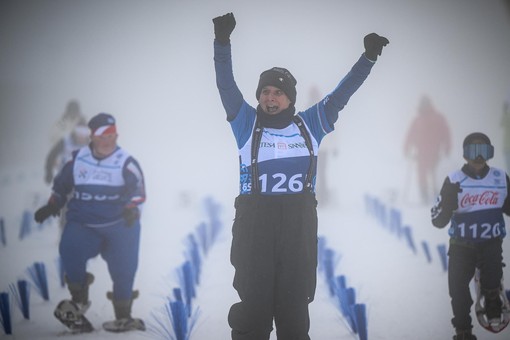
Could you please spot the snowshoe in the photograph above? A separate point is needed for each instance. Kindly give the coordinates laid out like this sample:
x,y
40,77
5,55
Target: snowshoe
x,y
124,325
487,318
71,315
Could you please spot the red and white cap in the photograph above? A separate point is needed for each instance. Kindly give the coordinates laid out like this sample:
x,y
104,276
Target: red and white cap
x,y
102,124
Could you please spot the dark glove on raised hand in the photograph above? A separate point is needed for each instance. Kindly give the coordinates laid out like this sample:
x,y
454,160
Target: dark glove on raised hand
x,y
46,211
223,27
131,215
373,45
449,196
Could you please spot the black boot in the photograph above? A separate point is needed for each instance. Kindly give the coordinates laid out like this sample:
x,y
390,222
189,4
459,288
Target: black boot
x,y
123,321
493,304
80,292
71,312
464,334
122,309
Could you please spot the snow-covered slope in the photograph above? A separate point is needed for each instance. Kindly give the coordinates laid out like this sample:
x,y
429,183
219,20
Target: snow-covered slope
x,y
405,295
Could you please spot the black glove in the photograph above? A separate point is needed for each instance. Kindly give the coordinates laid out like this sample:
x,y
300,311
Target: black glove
x,y
223,27
46,211
449,198
131,215
373,45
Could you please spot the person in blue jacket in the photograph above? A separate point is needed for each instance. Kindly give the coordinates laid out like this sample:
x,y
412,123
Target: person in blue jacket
x,y
103,218
274,245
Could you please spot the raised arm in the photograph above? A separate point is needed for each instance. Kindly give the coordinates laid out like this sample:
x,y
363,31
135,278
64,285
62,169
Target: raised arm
x,y
352,81
322,116
230,94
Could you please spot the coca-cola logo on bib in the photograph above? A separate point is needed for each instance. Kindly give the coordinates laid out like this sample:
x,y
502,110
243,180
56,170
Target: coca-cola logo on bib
x,y
483,199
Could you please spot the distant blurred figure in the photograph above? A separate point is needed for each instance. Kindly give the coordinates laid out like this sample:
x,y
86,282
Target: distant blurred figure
x,y
505,124
71,117
61,153
427,140
62,150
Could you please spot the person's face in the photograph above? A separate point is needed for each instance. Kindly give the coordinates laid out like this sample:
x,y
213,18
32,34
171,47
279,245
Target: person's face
x,y
273,100
478,163
105,144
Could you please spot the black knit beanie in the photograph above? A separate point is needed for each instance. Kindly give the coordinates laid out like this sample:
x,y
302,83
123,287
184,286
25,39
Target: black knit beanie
x,y
476,135
281,78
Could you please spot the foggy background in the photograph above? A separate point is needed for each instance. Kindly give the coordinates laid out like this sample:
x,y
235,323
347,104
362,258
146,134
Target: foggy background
x,y
150,64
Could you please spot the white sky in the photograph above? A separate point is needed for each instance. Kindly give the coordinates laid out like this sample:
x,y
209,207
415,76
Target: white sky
x,y
150,64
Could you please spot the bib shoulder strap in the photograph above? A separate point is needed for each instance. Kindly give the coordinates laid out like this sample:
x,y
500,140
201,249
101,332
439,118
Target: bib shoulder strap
x,y
255,146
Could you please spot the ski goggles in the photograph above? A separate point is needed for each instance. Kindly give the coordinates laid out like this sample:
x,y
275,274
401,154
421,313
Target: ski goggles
x,y
473,151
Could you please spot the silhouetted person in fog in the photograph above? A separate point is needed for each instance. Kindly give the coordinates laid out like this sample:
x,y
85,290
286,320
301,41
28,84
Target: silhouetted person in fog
x,y
71,117
428,140
61,152
274,244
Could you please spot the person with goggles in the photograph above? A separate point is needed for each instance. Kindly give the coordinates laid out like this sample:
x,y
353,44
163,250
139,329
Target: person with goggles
x,y
473,200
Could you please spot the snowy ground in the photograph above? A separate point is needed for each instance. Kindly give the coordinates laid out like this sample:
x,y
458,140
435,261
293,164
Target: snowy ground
x,y
406,297
151,65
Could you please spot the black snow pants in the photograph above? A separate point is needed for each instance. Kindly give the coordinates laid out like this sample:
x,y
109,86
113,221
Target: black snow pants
x,y
463,260
274,253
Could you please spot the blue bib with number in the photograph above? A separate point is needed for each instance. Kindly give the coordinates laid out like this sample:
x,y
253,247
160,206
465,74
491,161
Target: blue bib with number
x,y
283,158
479,216
479,225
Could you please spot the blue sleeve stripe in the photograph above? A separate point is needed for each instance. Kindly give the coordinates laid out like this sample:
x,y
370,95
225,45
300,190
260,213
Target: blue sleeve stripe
x,y
323,120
